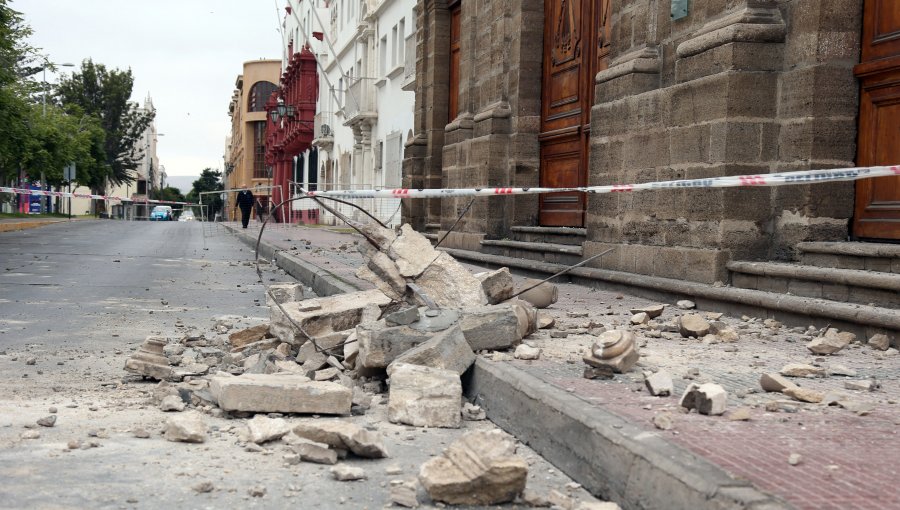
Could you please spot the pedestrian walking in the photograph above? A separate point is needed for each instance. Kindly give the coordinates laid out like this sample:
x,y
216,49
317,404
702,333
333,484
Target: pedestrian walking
x,y
245,203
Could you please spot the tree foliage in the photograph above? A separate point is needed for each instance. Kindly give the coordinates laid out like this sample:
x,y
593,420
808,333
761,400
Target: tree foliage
x,y
210,180
105,94
168,193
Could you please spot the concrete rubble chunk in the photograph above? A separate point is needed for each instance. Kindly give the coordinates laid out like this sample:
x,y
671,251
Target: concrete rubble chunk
x,y
343,436
312,451
382,272
150,361
541,296
693,325
498,285
186,428
480,468
802,370
660,384
652,311
344,473
330,344
279,393
326,374
640,318
614,351
380,345
334,314
172,403
450,285
47,421
880,342
803,394
491,327
863,385
546,321
424,397
709,398
685,304
381,236
262,429
527,352
403,317
412,252
831,342
403,493
284,293
446,350
244,337
366,274
774,383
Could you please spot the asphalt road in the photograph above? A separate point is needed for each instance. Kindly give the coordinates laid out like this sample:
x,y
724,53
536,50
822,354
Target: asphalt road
x,y
77,299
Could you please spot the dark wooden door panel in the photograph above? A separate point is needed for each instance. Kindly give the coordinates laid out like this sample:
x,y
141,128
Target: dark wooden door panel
x,y
877,209
563,163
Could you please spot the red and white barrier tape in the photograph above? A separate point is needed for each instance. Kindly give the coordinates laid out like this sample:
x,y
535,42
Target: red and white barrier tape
x,y
63,194
737,181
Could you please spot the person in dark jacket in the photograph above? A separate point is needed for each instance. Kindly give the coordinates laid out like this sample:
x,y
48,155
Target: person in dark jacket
x,y
245,203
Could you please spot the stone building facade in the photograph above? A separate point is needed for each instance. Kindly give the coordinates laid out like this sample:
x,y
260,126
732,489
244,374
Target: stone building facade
x,y
729,87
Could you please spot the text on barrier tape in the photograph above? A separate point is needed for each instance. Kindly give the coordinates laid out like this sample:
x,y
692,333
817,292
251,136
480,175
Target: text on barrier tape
x,y
63,194
737,181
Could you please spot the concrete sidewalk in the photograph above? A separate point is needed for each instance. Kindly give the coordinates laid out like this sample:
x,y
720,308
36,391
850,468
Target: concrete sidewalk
x,y
601,432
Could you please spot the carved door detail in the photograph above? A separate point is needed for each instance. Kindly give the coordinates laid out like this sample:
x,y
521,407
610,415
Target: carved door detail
x,y
576,47
877,211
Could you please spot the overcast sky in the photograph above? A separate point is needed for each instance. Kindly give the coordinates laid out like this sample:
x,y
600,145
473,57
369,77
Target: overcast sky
x,y
185,53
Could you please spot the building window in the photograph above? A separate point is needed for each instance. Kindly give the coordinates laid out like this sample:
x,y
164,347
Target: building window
x,y
259,94
394,48
383,56
259,150
401,46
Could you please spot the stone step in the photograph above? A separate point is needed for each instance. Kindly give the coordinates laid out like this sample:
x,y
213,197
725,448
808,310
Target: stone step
x,y
556,235
869,256
545,252
432,227
861,320
844,285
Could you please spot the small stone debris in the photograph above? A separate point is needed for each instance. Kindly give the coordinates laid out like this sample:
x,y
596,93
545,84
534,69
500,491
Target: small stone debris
x,y
708,398
424,397
284,293
471,412
343,436
257,491
312,451
262,429
186,428
172,403
203,487
686,304
151,361
652,312
857,407
663,421
480,468
527,352
640,318
774,383
879,342
344,473
403,493
794,459
30,434
740,414
74,444
613,351
47,421
31,361
498,285
598,505
693,325
804,394
863,385
802,370
545,321
140,433
831,342
660,384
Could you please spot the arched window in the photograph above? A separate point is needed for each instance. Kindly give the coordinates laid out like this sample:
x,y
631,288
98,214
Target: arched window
x,y
259,94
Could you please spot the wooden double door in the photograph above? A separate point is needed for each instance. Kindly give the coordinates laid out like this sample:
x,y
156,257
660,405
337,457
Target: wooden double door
x,y
877,214
576,47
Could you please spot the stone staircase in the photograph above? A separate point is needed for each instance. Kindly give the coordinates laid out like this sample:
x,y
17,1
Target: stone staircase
x,y
557,245
864,273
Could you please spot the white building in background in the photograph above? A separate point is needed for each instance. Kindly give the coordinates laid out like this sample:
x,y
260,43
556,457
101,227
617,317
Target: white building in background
x,y
365,51
149,174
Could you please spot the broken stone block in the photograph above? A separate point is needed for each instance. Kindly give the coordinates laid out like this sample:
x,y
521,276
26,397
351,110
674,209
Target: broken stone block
x,y
262,429
864,385
279,393
545,321
693,325
652,311
640,318
412,252
709,398
343,436
498,285
380,345
774,383
831,342
613,350
424,397
879,342
685,304
326,374
446,350
802,370
334,314
803,394
382,272
150,361
366,274
244,337
728,335
857,407
172,403
348,473
541,296
403,493
311,451
491,327
450,285
527,352
471,412
660,384
284,293
480,468
329,344
47,421
527,315
403,317
381,236
186,428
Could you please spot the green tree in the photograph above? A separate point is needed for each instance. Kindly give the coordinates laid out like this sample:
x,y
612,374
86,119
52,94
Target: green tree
x,y
210,180
169,194
105,94
14,59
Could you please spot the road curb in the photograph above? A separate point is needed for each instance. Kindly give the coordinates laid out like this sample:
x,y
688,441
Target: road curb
x,y
24,225
611,457
321,281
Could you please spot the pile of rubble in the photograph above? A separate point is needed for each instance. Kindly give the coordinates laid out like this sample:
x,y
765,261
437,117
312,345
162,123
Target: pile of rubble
x,y
414,335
